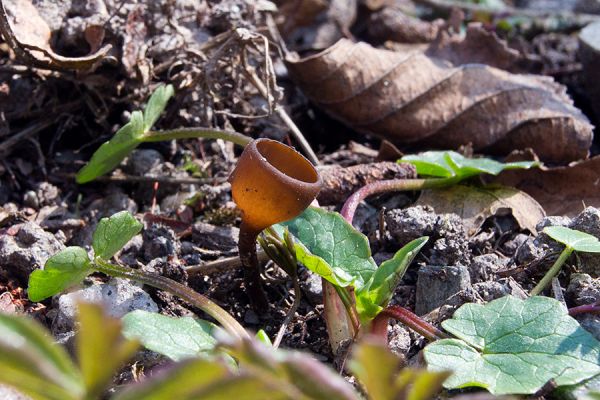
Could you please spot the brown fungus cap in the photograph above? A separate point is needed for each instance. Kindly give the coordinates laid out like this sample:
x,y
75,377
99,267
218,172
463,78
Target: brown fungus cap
x,y
272,183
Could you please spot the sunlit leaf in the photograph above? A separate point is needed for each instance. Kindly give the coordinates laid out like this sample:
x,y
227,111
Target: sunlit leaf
x,y
448,164
577,240
378,291
176,338
513,346
113,233
63,270
101,349
33,364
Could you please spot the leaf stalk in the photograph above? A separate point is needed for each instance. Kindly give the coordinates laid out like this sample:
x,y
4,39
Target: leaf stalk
x,y
552,272
183,292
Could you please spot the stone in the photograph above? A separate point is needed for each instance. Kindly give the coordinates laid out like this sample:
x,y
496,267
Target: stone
x,y
312,287
435,284
583,289
212,237
410,223
159,241
141,161
118,297
492,290
26,250
399,341
484,267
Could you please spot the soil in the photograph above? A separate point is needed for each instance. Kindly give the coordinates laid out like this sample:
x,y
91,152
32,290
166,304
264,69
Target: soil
x,y
52,121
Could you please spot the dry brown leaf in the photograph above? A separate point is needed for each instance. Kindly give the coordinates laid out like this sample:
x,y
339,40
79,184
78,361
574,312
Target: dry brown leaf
x,y
391,23
29,36
476,204
411,98
561,191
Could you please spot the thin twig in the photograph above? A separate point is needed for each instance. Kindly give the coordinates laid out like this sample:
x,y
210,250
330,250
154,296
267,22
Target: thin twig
x,y
221,265
152,179
31,130
290,314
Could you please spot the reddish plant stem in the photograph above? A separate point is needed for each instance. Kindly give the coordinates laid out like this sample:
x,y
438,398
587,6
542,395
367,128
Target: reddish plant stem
x,y
586,308
393,185
247,249
409,319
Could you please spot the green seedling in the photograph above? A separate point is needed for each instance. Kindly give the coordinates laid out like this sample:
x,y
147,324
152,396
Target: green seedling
x,y
513,346
34,365
573,241
332,248
139,130
71,265
442,169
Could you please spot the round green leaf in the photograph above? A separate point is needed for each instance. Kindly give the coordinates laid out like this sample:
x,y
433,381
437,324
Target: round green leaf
x,y
578,241
513,346
113,233
63,270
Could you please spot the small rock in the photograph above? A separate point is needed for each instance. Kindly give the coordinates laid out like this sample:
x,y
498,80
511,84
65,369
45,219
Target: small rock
x,y
435,284
484,267
552,221
529,251
46,193
410,223
583,289
129,253
312,286
141,161
159,241
30,200
26,250
118,296
250,317
399,340
492,290
211,237
511,246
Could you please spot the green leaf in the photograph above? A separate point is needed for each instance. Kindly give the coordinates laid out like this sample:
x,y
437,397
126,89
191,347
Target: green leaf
x,y
113,233
176,338
376,367
101,349
514,346
63,270
578,241
33,364
378,291
450,164
292,372
156,105
182,382
110,154
330,247
262,337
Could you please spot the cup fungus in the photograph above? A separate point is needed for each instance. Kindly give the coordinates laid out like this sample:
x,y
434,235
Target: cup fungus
x,y
271,183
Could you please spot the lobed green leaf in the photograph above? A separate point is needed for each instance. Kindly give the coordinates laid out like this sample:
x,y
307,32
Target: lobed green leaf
x,y
450,164
176,338
513,346
63,270
113,233
577,240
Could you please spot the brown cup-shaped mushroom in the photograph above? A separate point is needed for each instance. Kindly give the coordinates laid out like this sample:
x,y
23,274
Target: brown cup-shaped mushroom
x,y
271,183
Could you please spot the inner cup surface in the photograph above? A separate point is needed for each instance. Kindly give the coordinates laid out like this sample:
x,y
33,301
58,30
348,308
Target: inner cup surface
x,y
288,161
